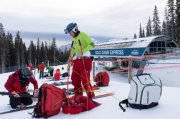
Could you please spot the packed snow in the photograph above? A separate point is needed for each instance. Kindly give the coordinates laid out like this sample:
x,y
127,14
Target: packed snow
x,y
109,109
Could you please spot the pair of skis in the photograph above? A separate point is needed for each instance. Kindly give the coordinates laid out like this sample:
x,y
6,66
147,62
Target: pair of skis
x,y
18,109
21,95
52,79
71,91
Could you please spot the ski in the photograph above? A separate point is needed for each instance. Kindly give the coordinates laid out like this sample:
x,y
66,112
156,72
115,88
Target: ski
x,y
104,95
61,83
53,80
18,109
21,95
71,90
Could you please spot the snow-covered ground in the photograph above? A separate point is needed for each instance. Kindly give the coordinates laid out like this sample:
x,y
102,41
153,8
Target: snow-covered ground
x,y
109,109
168,70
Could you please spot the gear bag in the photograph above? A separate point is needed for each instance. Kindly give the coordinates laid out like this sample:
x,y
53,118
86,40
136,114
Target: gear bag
x,y
145,92
49,101
102,79
78,104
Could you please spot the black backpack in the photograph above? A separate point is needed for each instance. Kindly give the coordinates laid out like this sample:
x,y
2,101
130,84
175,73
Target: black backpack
x,y
65,74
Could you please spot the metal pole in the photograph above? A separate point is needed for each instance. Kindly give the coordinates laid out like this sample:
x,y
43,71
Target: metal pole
x,y
130,69
94,69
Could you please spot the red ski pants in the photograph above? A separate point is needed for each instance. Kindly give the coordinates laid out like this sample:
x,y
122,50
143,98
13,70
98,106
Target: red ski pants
x,y
81,77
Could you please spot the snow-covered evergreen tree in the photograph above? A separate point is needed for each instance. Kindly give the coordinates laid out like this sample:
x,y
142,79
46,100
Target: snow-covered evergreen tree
x,y
178,21
166,24
171,15
143,33
163,32
156,22
135,36
140,31
149,28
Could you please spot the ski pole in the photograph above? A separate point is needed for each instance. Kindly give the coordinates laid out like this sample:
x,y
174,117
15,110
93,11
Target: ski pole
x,y
69,61
84,71
69,65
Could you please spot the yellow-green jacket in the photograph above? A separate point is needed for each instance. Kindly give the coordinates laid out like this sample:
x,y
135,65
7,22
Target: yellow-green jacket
x,y
86,43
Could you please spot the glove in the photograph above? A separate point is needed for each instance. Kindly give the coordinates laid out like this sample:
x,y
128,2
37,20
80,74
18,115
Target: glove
x,y
15,94
36,93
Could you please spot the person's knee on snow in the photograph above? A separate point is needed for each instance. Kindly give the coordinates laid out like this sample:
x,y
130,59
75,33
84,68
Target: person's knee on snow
x,y
14,102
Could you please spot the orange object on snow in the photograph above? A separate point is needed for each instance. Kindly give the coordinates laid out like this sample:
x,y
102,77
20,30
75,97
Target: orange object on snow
x,y
102,79
57,75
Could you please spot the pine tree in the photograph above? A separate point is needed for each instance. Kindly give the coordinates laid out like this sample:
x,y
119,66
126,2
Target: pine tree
x,y
1,29
30,52
11,56
46,52
163,32
140,31
42,53
166,24
53,49
38,51
171,15
2,48
19,46
33,51
7,45
178,21
156,23
149,28
3,52
135,36
143,33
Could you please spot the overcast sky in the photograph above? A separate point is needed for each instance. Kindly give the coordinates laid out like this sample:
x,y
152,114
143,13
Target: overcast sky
x,y
114,18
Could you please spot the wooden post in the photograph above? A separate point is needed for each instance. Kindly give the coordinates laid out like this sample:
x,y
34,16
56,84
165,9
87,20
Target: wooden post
x,y
130,61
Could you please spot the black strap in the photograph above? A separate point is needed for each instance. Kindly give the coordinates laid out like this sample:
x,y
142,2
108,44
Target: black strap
x,y
79,42
123,102
142,74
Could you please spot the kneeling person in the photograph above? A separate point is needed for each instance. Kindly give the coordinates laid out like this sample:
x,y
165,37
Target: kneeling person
x,y
17,84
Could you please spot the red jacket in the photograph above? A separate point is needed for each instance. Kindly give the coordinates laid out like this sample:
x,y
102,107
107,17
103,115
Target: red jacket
x,y
41,67
57,75
13,83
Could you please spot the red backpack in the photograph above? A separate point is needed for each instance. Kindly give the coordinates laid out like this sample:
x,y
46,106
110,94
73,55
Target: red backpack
x,y
49,101
102,79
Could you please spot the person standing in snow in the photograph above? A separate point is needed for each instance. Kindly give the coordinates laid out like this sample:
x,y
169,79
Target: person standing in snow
x,y
41,68
82,62
17,84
